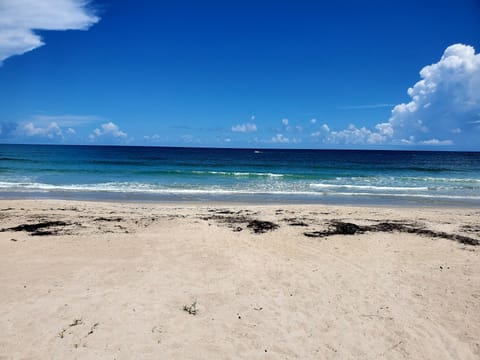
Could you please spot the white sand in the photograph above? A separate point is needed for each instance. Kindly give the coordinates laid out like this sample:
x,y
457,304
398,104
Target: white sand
x,y
116,289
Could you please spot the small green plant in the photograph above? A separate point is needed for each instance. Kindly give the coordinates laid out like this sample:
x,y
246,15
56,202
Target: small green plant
x,y
192,309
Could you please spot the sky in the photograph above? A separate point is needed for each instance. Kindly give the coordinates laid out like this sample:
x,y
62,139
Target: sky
x,y
346,74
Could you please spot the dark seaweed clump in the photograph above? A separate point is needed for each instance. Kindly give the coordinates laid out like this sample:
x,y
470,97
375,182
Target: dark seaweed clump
x,y
260,227
344,228
38,229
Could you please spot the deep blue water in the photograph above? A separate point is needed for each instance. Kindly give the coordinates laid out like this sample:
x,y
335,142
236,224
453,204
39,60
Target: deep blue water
x,y
310,176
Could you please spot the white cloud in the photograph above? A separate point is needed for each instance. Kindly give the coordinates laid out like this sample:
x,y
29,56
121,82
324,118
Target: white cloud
x,y
436,142
279,138
285,121
313,121
384,129
112,129
444,108
409,141
447,97
324,129
50,131
248,127
354,135
108,130
20,18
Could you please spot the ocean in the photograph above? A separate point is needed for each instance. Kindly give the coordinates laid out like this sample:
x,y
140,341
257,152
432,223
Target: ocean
x,y
129,173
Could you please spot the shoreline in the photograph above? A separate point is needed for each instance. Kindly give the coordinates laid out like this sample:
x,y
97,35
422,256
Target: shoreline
x,y
214,280
252,200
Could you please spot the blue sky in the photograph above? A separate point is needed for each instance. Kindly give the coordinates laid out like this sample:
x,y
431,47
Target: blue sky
x,y
300,74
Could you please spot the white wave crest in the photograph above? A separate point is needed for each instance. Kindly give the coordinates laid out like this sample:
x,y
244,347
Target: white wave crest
x,y
368,187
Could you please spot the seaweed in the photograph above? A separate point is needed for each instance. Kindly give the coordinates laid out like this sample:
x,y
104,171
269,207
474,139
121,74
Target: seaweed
x,y
38,229
344,228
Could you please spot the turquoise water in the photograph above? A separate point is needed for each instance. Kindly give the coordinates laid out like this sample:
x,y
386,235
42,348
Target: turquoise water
x,y
192,174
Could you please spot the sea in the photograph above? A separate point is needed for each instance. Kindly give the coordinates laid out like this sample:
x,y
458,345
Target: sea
x,y
259,176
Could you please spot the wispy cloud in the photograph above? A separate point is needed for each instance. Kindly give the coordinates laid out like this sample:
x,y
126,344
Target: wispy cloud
x,y
20,18
154,137
66,120
437,142
366,106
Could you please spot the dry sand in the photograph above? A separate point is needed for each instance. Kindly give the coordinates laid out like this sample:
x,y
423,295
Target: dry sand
x,y
114,281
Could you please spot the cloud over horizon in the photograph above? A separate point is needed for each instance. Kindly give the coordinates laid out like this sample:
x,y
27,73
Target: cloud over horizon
x,y
52,131
444,109
444,104
19,19
248,127
107,130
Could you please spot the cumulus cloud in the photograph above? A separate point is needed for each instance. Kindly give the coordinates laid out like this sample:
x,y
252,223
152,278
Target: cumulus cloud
x,y
20,18
108,130
285,121
50,131
313,121
41,130
248,127
355,136
444,109
445,101
324,129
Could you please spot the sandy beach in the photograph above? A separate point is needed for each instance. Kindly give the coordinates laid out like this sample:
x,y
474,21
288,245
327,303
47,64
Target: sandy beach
x,y
92,280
